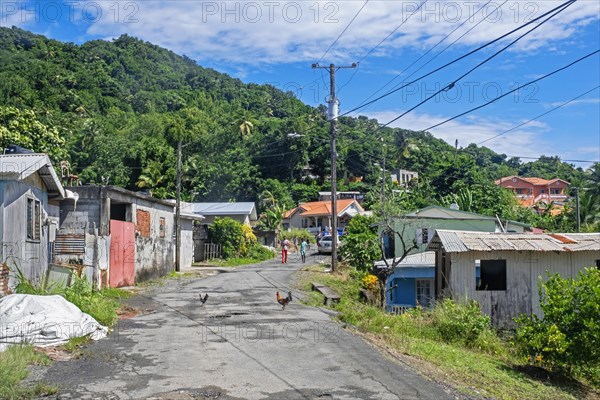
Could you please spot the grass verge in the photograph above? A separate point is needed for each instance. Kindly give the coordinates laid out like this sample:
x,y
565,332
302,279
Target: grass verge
x,y
488,368
13,369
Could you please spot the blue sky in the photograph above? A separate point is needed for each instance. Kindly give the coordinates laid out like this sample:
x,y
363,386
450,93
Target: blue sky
x,y
277,41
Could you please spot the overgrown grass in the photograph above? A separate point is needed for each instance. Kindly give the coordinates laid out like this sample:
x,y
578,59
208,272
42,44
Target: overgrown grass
x,y
76,343
13,369
453,343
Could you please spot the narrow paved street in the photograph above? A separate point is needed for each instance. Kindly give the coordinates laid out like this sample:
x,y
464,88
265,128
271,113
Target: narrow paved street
x,y
239,345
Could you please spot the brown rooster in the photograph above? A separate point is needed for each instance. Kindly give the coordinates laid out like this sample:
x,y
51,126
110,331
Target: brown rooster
x,y
284,300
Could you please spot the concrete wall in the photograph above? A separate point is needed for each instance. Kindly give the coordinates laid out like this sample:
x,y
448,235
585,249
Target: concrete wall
x,y
187,243
523,270
154,255
30,256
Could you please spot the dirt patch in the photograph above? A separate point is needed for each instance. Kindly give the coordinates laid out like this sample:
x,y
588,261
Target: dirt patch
x,y
126,312
56,353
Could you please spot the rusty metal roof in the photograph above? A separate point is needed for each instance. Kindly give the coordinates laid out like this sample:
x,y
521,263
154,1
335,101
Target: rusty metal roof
x,y
463,241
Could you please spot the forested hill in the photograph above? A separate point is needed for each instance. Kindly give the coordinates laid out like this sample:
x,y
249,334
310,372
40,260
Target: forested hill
x,y
117,109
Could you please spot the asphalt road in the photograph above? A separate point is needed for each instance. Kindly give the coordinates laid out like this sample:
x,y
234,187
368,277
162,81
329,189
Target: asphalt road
x,y
239,345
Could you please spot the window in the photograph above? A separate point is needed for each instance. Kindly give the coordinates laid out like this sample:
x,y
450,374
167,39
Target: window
x,y
33,219
598,264
519,191
162,227
543,191
492,275
424,293
423,235
554,191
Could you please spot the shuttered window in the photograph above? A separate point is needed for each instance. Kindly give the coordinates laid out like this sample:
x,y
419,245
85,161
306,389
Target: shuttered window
x,y
33,219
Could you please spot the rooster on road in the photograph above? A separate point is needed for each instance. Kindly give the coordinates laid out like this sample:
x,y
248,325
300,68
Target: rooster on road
x,y
284,300
203,299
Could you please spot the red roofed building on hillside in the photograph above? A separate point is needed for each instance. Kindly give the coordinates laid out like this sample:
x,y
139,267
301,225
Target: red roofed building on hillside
x,y
318,214
531,192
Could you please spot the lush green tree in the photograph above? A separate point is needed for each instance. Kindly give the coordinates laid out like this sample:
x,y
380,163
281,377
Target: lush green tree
x,y
23,128
567,337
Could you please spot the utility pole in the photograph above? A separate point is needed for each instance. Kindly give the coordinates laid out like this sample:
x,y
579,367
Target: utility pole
x,y
333,116
577,208
178,211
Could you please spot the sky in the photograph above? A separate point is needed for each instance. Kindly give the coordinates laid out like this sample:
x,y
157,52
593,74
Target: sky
x,y
394,43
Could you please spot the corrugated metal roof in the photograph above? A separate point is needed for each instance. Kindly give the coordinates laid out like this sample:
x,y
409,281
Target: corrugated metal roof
x,y
244,208
20,166
462,241
420,260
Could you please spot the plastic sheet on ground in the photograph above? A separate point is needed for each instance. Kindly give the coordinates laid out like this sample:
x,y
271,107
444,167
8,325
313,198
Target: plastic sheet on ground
x,y
43,321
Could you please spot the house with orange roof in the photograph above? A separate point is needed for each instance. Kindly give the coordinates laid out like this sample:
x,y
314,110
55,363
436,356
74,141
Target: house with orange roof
x,y
532,191
317,214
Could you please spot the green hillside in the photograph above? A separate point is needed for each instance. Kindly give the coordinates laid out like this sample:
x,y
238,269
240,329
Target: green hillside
x,y
117,110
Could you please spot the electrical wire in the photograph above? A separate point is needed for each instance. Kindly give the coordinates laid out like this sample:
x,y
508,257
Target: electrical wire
x,y
566,4
538,117
514,90
344,31
437,44
453,83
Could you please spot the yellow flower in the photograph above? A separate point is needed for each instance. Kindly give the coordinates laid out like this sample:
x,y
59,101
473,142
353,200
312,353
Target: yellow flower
x,y
370,282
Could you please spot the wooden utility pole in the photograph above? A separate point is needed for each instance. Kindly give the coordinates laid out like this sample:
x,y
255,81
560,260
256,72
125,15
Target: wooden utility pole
x,y
333,116
178,211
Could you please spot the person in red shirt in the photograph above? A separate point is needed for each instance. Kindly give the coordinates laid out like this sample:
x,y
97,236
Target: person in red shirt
x,y
284,251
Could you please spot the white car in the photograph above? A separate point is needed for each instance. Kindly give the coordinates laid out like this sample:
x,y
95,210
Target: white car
x,y
325,244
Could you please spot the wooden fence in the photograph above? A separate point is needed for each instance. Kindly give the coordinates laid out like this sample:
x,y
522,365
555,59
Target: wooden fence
x,y
212,251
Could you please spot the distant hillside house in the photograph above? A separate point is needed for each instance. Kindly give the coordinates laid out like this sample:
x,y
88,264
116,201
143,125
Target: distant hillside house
x,y
403,177
358,196
244,213
532,191
317,214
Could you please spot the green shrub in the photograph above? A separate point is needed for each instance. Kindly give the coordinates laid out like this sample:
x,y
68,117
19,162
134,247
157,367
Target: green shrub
x,y
567,339
229,234
462,323
260,253
360,243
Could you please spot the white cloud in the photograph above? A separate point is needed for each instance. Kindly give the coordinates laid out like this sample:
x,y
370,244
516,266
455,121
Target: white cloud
x,y
257,32
573,103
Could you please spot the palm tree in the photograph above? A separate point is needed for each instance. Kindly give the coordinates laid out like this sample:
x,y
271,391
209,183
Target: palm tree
x,y
152,176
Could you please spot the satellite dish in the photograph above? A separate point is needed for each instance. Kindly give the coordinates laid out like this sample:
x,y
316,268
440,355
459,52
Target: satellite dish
x,y
454,206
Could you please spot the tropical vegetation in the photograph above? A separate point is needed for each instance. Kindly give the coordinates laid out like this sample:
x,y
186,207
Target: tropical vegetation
x,y
117,109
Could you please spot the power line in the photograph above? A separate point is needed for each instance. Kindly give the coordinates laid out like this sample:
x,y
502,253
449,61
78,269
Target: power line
x,y
453,83
562,6
379,44
394,31
538,117
344,31
437,44
514,90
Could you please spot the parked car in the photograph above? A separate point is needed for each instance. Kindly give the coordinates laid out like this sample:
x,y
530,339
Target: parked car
x,y
324,244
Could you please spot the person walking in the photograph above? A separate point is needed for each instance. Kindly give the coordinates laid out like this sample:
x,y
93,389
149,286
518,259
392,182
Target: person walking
x,y
284,251
303,247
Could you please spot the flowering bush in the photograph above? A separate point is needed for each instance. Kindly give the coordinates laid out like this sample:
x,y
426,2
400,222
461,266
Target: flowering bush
x,y
370,282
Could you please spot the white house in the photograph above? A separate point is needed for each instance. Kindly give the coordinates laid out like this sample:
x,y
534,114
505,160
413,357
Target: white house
x,y
510,267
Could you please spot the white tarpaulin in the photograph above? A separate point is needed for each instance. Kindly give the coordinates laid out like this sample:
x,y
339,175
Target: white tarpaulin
x,y
43,321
